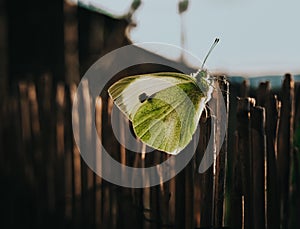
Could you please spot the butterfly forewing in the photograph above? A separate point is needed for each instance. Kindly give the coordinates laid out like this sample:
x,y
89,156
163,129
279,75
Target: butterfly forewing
x,y
127,92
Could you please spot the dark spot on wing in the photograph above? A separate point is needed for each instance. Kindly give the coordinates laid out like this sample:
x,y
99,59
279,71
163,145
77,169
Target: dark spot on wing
x,y
143,97
151,97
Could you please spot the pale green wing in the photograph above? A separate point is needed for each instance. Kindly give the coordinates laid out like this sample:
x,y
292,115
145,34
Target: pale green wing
x,y
127,92
168,120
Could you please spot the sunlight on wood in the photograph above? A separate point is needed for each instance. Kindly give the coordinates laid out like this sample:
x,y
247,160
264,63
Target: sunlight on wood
x,y
60,131
98,120
122,138
88,111
25,118
76,153
34,109
109,109
243,212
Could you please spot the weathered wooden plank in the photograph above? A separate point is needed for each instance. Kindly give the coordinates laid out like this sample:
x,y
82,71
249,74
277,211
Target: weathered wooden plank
x,y
284,147
236,208
59,165
180,216
98,179
245,149
221,160
76,165
295,164
71,43
258,142
189,193
205,185
244,89
266,98
68,159
86,138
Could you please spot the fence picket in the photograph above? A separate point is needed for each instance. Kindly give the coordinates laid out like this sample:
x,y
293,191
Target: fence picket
x,y
284,147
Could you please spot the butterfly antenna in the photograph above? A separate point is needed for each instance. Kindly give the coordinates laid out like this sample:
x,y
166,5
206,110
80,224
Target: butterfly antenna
x,y
210,50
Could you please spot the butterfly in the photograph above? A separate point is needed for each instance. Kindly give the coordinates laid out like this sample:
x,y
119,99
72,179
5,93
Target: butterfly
x,y
164,107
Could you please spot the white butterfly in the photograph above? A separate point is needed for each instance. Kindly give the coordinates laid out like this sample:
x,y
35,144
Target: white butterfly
x,y
165,107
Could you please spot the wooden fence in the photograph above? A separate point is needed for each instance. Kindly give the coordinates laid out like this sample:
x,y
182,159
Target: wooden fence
x,y
253,184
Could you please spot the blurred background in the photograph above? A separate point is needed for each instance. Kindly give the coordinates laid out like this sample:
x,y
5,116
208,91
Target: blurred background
x,y
46,48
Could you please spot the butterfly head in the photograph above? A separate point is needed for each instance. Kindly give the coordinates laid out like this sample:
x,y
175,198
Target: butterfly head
x,y
203,81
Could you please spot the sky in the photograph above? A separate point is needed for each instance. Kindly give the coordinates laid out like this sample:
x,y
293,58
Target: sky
x,y
257,37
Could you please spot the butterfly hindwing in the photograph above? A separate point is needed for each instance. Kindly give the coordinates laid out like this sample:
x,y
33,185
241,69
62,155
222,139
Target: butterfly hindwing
x,y
167,120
